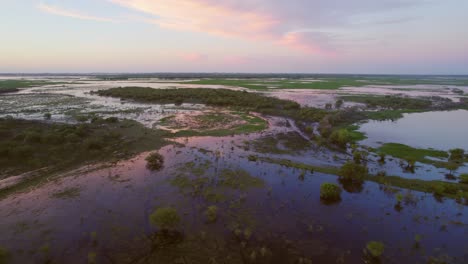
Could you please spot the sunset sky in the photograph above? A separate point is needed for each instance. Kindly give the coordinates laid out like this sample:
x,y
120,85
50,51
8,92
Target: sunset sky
x,y
307,36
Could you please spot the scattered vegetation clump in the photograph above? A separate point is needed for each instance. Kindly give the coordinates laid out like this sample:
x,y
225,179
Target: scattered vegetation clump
x,y
330,192
165,218
375,248
154,161
211,214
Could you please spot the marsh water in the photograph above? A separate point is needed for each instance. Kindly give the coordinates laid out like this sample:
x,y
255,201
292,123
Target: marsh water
x,y
442,130
274,216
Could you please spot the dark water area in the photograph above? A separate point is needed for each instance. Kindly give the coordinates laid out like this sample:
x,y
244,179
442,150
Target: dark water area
x,y
284,217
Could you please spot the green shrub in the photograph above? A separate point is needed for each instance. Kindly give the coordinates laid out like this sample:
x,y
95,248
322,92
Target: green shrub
x,y
155,161
211,213
353,171
165,218
93,144
457,154
340,137
330,192
375,248
47,116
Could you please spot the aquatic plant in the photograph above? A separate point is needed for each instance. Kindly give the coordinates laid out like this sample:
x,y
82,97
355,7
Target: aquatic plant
x,y
375,248
154,161
165,218
211,213
330,192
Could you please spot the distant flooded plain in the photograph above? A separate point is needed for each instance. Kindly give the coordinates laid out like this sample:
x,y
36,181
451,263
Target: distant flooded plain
x,y
252,195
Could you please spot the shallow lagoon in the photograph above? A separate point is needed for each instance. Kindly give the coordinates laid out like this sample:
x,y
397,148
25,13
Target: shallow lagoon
x,y
438,130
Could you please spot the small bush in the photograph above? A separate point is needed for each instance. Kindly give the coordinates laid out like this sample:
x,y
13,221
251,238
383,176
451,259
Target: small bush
x,y
353,171
330,192
47,116
464,178
155,161
340,137
375,248
165,218
457,154
211,213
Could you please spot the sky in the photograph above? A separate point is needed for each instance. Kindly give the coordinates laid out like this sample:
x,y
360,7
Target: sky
x,y
258,36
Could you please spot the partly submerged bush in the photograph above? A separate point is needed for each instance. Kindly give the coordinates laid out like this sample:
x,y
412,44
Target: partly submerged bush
x,y
165,218
457,154
353,171
155,161
330,192
340,137
375,248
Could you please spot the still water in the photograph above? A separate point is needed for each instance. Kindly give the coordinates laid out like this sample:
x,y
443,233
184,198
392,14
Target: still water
x,y
439,130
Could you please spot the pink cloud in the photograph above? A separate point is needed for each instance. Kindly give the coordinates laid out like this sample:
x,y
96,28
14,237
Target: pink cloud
x,y
71,13
223,18
192,57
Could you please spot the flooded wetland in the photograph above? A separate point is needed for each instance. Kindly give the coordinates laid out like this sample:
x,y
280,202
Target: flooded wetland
x,y
233,169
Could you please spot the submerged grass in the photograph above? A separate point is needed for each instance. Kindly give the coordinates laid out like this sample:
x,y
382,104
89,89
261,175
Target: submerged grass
x,y
413,154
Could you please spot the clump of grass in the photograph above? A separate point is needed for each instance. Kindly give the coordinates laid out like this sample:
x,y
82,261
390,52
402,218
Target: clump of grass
x,y
211,214
375,248
155,161
165,218
330,192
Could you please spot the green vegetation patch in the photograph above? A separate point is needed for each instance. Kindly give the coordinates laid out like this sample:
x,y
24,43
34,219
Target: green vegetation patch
x,y
408,153
8,86
31,145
